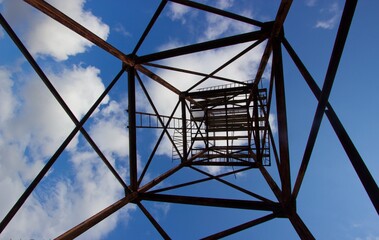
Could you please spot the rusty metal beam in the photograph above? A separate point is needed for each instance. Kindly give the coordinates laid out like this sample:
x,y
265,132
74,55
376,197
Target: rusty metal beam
x,y
159,116
241,227
157,78
54,13
149,26
212,202
184,128
238,188
339,44
192,72
199,180
95,219
300,227
153,221
276,28
218,12
271,182
240,54
198,47
132,129
78,126
282,122
350,149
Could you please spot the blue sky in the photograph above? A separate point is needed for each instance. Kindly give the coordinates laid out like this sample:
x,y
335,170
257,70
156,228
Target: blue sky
x,y
332,201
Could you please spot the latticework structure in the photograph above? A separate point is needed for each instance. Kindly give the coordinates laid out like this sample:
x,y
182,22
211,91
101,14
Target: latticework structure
x,y
216,122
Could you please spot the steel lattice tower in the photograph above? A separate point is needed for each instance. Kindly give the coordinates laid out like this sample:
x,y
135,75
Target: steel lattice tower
x,y
223,125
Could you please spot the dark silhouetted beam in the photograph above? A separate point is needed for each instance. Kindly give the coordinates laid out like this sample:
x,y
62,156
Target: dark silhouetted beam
x,y
284,167
241,227
218,12
78,127
276,29
199,47
132,129
339,44
212,202
300,227
150,25
49,10
350,149
95,219
153,221
193,73
90,36
218,178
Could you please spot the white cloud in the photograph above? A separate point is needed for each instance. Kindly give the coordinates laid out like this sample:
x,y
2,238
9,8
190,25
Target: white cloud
x,y
331,18
71,201
32,126
178,12
109,130
7,102
46,37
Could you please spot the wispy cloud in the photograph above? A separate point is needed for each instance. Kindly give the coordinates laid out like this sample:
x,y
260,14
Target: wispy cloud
x,y
178,12
119,28
331,16
310,3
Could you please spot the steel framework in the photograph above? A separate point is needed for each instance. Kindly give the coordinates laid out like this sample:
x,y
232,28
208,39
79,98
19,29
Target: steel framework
x,y
184,147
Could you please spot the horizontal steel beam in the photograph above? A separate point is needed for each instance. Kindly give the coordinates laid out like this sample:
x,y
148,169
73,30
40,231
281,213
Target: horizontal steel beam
x,y
199,47
212,202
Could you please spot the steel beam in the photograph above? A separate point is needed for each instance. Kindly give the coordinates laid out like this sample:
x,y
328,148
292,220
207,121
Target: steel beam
x,y
95,219
161,122
199,47
241,227
54,13
356,160
192,72
276,29
282,122
300,227
132,129
153,221
218,12
78,126
184,128
339,44
240,54
238,188
149,26
212,202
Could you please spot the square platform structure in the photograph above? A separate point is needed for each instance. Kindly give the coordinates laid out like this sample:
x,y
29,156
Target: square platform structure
x,y
228,125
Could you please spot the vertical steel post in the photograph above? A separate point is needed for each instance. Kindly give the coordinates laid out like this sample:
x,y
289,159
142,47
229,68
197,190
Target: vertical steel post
x,y
282,122
184,128
132,129
257,138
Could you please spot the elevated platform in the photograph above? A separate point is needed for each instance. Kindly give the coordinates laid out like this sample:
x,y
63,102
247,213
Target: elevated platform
x,y
230,127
